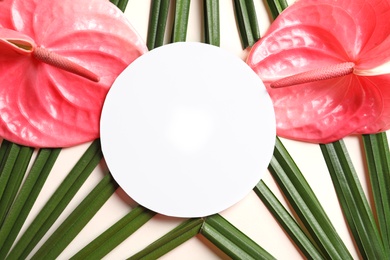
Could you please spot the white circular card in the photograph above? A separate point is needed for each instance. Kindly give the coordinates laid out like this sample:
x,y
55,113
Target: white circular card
x,y
187,130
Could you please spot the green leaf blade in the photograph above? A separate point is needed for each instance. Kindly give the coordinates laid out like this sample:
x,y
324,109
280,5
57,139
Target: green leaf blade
x,y
157,23
26,198
76,221
287,222
305,204
58,201
230,240
121,4
212,22
277,6
10,154
115,235
252,16
246,19
378,160
15,180
171,240
180,24
353,201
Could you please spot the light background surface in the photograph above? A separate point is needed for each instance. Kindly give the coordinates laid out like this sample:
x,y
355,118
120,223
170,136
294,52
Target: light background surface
x,y
249,215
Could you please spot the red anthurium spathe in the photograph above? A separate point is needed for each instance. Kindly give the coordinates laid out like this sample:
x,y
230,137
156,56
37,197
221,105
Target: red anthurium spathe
x,y
57,61
326,64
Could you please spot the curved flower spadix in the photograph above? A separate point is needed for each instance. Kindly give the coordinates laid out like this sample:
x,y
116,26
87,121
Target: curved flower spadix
x,y
57,61
326,64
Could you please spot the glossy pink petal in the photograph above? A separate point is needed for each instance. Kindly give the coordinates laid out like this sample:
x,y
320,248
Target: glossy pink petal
x,y
5,18
359,25
327,112
316,34
380,85
42,105
292,50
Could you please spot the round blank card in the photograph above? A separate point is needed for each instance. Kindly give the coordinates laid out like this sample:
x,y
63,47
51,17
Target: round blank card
x,y
187,130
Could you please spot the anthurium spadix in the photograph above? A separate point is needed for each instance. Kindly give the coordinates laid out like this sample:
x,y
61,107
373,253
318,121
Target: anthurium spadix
x,y
57,61
326,64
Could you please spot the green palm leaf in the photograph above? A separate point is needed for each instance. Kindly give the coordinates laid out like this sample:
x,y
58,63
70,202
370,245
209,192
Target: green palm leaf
x,y
230,240
157,23
353,201
306,205
26,198
116,234
180,24
171,240
57,202
289,224
15,177
378,160
247,22
76,221
211,22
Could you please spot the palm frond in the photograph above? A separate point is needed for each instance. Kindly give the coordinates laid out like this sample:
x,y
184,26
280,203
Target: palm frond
x,y
353,201
378,160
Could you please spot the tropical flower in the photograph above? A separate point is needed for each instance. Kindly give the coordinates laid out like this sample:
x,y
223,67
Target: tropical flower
x,y
326,64
57,61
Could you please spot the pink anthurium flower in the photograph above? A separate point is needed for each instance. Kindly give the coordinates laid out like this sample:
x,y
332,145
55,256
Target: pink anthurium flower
x,y
326,64
57,61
